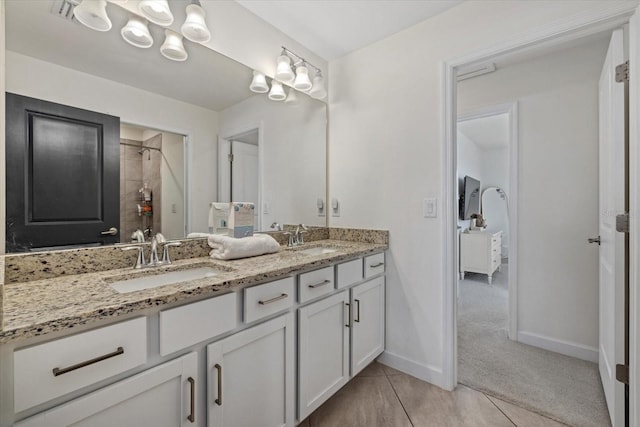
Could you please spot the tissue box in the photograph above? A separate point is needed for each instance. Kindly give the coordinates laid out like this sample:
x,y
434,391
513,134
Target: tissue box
x,y
241,219
218,218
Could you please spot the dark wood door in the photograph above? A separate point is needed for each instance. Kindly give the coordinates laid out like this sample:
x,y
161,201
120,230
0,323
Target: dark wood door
x,y
63,175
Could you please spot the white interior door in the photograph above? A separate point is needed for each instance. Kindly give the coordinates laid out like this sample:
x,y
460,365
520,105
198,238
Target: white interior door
x,y
244,176
612,188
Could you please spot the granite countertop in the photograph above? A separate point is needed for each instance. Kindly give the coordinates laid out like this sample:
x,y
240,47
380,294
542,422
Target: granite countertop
x,y
55,304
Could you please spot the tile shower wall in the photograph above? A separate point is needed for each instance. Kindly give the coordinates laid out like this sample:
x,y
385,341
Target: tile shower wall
x,y
135,170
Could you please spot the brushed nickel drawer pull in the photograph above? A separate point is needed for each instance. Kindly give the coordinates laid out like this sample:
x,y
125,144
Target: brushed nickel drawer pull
x,y
348,325
60,371
357,311
269,301
317,285
380,264
219,399
192,415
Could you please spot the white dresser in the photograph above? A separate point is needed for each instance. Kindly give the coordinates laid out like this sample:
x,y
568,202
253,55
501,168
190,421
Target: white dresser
x,y
480,252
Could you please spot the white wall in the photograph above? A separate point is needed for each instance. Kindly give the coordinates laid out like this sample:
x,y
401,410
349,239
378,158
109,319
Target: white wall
x,y
386,132
293,154
557,99
32,77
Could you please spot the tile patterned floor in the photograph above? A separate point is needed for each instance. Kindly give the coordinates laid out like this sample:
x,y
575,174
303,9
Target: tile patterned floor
x,y
381,396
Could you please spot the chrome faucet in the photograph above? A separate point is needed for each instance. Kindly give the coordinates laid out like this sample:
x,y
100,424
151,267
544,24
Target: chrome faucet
x,y
140,261
153,258
300,231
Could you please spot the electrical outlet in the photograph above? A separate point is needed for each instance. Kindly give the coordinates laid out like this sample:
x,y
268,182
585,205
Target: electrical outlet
x,y
320,206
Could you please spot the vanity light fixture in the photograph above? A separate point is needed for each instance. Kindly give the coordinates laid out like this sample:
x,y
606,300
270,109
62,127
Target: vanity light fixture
x,y
195,27
172,48
93,14
318,90
136,32
259,83
284,73
302,81
156,11
277,91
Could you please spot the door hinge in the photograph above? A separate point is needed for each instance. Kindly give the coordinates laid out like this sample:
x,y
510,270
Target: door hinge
x,y
230,158
622,223
622,373
622,72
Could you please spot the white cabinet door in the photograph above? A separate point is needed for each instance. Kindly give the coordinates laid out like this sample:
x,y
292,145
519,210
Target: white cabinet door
x,y
250,377
161,397
367,333
323,351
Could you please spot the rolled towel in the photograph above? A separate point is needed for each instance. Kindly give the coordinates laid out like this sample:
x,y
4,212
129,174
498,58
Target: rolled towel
x,y
197,235
225,247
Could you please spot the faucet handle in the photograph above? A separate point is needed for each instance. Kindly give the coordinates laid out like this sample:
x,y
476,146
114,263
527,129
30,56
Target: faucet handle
x,y
276,226
159,238
165,253
140,262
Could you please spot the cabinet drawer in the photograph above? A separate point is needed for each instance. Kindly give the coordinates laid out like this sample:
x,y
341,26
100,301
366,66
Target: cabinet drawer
x,y
267,299
348,273
190,324
315,283
58,367
374,264
495,241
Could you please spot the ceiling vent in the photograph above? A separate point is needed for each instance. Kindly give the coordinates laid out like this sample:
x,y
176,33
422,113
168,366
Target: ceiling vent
x,y
468,72
64,9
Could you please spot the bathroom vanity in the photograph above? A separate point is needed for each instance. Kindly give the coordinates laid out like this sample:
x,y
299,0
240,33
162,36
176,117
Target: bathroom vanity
x,y
262,341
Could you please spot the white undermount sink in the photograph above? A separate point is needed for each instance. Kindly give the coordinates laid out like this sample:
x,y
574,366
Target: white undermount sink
x,y
318,250
156,280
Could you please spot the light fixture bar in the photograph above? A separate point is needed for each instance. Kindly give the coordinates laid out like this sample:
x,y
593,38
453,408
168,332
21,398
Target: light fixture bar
x,y
300,59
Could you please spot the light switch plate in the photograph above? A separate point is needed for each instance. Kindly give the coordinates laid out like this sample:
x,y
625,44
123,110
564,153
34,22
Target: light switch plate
x,y
430,207
335,207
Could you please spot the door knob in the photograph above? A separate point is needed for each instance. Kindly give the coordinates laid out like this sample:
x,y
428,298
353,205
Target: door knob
x,y
594,240
110,232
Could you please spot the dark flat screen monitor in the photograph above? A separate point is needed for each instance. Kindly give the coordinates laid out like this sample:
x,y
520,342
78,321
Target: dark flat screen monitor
x,y
470,198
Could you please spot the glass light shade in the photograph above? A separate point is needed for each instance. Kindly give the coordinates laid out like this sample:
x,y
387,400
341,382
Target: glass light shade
x,y
292,98
318,90
136,32
195,27
259,83
93,14
302,82
172,48
284,73
156,11
277,92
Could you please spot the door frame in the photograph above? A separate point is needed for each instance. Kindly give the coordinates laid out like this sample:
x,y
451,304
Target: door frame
x,y
606,17
511,109
187,137
226,135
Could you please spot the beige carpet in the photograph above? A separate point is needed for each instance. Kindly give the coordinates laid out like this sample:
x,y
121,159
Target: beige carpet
x,y
557,386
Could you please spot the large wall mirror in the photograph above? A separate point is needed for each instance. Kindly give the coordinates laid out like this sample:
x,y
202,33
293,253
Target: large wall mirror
x,y
190,133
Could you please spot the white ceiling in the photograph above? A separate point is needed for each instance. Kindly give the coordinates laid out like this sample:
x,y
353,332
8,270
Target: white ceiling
x,y
207,78
333,28
489,133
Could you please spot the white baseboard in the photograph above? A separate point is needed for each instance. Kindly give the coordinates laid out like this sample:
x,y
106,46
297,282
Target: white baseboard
x,y
426,373
567,348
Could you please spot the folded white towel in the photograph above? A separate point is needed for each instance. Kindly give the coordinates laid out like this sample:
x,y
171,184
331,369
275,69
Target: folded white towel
x,y
225,247
197,235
